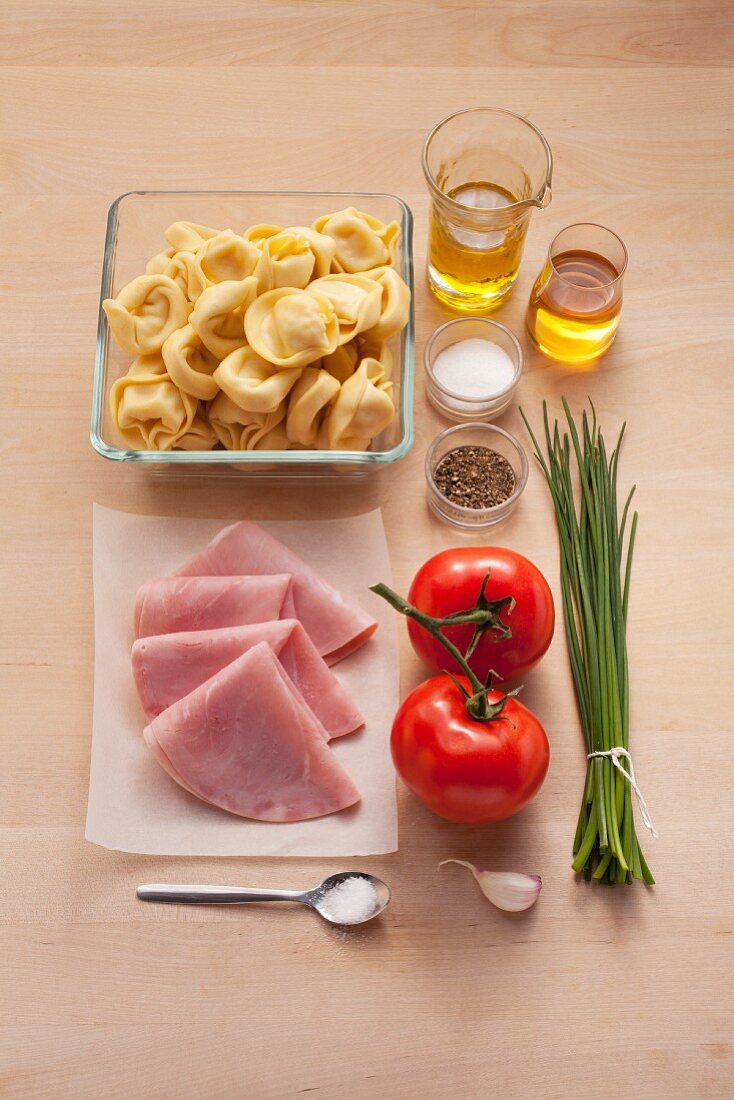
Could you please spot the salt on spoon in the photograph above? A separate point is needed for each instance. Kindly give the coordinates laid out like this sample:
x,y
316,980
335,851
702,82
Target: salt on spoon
x,y
348,898
352,900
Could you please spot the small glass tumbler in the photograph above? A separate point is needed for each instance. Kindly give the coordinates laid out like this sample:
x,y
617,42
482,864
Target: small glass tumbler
x,y
485,400
575,305
475,435
486,170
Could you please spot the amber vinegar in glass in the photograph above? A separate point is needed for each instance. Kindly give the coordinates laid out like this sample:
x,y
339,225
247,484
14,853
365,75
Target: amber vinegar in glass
x,y
575,304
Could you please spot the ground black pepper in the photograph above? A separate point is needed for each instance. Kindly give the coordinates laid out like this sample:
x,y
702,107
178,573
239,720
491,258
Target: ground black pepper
x,y
474,477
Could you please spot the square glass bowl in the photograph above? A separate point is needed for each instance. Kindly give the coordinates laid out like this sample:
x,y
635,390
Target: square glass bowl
x,y
135,226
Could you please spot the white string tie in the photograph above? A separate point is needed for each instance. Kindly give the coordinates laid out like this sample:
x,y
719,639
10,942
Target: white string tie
x,y
614,755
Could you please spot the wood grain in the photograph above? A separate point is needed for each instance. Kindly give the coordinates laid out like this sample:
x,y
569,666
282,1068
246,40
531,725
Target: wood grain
x,y
593,993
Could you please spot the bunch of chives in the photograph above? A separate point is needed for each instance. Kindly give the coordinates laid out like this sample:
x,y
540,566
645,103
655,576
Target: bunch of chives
x,y
595,583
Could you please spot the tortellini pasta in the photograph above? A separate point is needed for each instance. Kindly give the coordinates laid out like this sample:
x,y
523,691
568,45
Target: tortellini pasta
x,y
189,364
181,267
369,348
291,327
224,258
293,257
310,396
362,242
188,236
252,382
272,338
157,264
219,315
200,436
394,306
363,408
343,362
238,430
149,410
356,300
259,233
145,313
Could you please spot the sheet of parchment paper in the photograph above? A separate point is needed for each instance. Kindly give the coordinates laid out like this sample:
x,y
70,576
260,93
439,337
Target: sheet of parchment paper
x,y
134,806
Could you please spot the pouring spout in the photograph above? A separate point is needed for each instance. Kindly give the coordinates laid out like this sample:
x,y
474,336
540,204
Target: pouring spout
x,y
543,199
523,207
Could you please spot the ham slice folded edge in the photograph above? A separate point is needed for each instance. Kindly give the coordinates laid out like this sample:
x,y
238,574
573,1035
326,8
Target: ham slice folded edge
x,y
168,666
166,605
245,742
336,624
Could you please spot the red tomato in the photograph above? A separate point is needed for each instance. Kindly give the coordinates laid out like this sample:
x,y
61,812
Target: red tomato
x,y
451,582
463,769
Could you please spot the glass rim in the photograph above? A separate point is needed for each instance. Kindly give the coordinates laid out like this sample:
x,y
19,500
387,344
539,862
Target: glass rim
x,y
589,225
430,178
491,429
518,365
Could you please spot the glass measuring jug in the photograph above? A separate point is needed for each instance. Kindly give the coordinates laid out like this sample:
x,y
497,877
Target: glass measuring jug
x,y
486,170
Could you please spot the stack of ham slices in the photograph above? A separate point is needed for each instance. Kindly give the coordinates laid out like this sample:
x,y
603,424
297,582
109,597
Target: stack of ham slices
x,y
231,664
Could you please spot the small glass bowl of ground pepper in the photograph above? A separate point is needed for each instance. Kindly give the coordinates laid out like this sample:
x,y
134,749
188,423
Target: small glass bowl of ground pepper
x,y
475,475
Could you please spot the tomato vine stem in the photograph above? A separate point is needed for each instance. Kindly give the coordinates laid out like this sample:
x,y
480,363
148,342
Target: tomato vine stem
x,y
485,616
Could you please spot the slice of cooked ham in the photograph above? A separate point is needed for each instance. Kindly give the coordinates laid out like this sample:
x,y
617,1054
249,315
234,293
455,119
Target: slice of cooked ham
x,y
168,666
244,742
337,625
167,605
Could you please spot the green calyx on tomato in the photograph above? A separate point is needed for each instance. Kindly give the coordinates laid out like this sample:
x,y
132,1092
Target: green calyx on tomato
x,y
483,616
456,586
468,771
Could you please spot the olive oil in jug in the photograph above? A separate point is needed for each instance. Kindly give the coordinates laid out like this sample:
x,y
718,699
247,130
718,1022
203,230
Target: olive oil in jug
x,y
487,170
476,267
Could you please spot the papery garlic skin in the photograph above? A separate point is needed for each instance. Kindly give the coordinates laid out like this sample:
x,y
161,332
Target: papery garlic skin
x,y
510,891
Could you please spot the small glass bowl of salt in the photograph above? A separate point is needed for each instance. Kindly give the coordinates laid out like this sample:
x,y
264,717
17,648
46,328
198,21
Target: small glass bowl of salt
x,y
472,368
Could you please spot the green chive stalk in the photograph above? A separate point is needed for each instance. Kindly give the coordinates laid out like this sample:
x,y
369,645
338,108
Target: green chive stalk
x,y
595,585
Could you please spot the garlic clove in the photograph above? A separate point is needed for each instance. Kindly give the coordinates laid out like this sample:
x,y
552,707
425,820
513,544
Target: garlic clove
x,y
508,890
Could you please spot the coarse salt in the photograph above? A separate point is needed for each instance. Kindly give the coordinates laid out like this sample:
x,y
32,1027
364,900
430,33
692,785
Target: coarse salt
x,y
474,368
351,901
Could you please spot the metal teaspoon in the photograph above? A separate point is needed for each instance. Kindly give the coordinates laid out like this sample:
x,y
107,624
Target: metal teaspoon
x,y
236,895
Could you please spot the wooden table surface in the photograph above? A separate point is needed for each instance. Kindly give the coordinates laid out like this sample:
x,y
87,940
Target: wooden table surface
x,y
594,992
